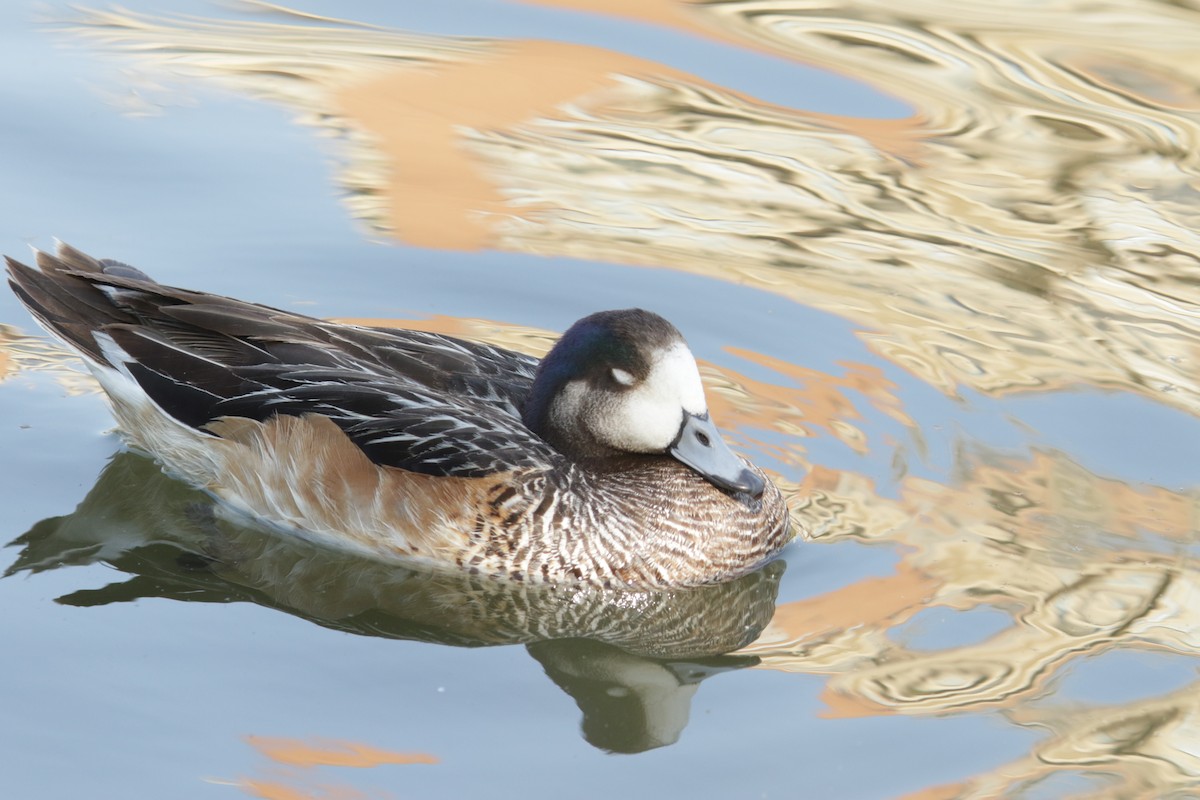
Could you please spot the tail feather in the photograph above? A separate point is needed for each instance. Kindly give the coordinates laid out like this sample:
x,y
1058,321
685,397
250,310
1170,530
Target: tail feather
x,y
66,259
69,307
76,297
116,316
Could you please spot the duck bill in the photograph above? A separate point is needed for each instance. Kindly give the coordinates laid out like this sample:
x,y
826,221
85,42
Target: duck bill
x,y
700,446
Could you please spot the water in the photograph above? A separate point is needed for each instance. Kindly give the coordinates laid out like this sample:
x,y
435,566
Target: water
x,y
939,268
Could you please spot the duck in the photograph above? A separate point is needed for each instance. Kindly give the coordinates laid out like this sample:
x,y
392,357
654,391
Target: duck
x,y
597,465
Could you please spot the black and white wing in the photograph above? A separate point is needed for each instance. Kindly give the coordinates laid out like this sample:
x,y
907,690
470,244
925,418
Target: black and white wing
x,y
397,423
420,401
453,367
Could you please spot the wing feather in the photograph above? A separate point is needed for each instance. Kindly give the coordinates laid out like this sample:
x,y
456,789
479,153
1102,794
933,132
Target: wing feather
x,y
419,401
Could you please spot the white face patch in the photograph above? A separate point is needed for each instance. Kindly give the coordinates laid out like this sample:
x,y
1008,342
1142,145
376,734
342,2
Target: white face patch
x,y
647,418
676,367
622,377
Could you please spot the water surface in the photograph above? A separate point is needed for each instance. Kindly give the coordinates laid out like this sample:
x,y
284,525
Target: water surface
x,y
938,265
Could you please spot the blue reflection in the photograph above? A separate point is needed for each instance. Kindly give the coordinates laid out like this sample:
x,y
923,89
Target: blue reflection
x,y
1125,676
813,571
942,628
1115,434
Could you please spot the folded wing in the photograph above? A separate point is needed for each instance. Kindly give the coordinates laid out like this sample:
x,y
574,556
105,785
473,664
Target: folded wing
x,y
409,399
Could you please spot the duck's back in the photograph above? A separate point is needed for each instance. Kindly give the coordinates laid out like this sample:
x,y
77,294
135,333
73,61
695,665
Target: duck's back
x,y
419,401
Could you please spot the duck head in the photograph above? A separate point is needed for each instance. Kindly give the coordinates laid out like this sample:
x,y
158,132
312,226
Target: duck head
x,y
621,382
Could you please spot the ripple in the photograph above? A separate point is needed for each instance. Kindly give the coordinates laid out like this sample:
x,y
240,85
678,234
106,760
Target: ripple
x,y
1030,228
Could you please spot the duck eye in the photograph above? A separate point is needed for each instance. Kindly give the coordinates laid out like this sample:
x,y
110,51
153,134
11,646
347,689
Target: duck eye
x,y
622,377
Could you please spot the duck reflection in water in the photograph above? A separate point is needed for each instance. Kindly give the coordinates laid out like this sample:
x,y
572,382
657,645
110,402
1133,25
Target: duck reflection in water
x,y
631,659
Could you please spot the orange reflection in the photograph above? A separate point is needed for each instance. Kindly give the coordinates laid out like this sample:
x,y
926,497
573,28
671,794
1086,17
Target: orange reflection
x,y
294,760
874,602
948,791
332,753
821,400
438,195
268,790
